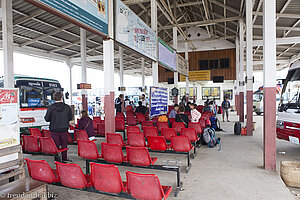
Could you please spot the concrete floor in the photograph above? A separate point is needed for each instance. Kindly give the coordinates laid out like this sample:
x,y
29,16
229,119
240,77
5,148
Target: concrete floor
x,y
235,172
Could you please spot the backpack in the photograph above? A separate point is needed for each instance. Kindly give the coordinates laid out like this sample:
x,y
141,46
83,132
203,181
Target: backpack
x,y
209,137
215,124
237,128
163,118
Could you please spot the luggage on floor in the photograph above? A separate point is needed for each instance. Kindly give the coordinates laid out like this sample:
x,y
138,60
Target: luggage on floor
x,y
237,128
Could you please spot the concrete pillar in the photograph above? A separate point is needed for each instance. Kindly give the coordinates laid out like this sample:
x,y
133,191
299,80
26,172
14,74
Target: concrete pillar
x,y
143,73
70,66
241,89
109,106
269,56
175,46
237,65
194,92
249,64
121,73
154,27
7,35
186,55
83,66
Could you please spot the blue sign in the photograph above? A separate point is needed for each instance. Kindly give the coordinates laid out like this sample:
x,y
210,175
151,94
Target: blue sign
x,y
91,13
34,102
158,101
133,32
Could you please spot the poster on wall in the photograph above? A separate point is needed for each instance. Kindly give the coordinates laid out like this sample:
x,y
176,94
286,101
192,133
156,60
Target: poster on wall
x,y
182,65
158,101
133,32
166,55
210,93
89,14
228,93
9,118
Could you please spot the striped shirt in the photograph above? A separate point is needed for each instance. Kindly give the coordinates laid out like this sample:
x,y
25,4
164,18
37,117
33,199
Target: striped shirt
x,y
195,115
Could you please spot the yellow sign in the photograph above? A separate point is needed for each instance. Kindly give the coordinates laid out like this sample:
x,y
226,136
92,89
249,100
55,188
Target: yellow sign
x,y
203,75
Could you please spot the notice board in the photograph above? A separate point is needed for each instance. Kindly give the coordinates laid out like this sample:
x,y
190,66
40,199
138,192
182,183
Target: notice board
x,y
158,101
166,55
9,121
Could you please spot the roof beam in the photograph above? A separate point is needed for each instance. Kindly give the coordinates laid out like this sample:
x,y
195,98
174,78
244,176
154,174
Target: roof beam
x,y
283,15
188,4
229,8
279,41
284,28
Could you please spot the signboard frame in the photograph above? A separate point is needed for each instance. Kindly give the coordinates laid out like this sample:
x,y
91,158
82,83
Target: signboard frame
x,y
182,65
104,23
136,28
165,107
171,52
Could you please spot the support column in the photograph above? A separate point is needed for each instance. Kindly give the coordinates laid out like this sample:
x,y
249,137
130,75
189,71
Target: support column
x,y
241,83
83,66
70,65
249,64
186,55
121,73
269,56
7,27
175,46
143,73
108,62
154,27
237,65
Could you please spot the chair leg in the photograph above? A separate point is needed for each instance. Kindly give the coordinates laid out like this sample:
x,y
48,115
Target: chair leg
x,y
87,165
189,163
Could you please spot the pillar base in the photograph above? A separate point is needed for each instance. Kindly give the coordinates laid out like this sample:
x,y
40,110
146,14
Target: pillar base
x,y
241,108
270,128
249,113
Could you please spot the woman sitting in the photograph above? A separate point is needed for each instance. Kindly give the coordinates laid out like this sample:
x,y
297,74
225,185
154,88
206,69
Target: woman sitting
x,y
181,117
86,123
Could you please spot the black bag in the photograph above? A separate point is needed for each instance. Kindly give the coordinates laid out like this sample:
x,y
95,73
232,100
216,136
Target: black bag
x,y
237,128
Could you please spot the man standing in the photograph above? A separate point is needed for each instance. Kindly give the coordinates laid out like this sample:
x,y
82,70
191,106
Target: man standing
x,y
59,115
118,103
225,107
144,101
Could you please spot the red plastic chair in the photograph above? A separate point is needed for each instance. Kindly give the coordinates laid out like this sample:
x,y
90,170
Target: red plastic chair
x,y
133,129
30,143
150,131
205,116
196,126
178,126
48,146
190,133
112,153
70,139
146,186
101,129
46,133
131,121
181,143
97,118
71,175
128,109
80,135
168,133
136,139
115,138
95,124
35,132
140,118
157,143
148,124
121,115
41,171
172,120
161,125
88,150
139,156
202,122
106,178
119,124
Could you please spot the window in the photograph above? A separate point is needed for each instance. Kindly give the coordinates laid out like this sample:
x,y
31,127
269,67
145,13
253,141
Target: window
x,y
213,64
203,64
224,63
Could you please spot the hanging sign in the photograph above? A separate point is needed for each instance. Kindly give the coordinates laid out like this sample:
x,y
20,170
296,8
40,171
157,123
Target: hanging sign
x,y
203,75
166,55
182,65
89,14
133,32
158,101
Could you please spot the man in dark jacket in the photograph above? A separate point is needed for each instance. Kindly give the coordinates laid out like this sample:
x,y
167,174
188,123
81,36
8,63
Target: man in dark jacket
x,y
118,103
59,115
141,108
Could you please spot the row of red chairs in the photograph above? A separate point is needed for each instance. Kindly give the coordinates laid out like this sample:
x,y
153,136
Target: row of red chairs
x,y
103,178
40,145
36,132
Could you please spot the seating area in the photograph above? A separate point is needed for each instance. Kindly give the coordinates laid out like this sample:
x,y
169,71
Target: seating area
x,y
104,179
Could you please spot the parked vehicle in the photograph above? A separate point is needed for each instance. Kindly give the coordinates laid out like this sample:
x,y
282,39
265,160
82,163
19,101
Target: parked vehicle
x,y
35,97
